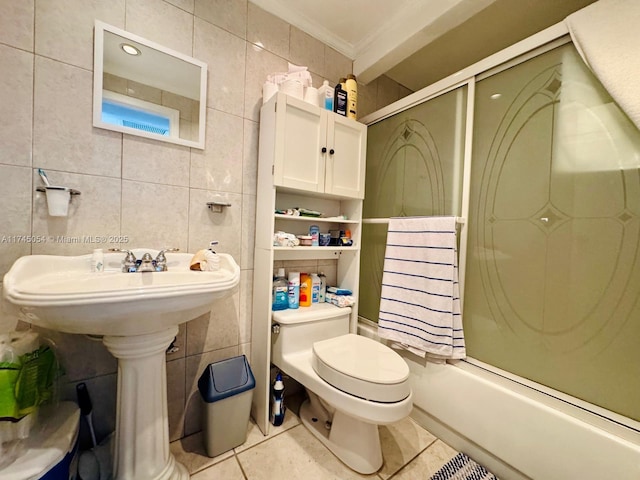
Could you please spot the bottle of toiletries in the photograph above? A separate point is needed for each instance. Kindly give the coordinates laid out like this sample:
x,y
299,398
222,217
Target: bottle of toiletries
x,y
351,86
314,231
97,260
305,290
325,96
340,101
277,401
315,288
280,300
323,288
293,292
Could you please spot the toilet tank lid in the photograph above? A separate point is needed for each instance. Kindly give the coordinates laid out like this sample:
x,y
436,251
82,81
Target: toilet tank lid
x,y
317,311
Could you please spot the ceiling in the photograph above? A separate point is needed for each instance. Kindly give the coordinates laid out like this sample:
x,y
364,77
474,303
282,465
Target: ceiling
x,y
417,42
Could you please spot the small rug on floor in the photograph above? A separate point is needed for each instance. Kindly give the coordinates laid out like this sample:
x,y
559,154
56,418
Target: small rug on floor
x,y
461,467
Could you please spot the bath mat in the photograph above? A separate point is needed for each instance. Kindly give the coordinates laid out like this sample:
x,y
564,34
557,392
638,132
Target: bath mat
x,y
461,467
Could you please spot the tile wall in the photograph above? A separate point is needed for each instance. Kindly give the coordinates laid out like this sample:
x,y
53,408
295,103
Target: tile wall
x,y
154,193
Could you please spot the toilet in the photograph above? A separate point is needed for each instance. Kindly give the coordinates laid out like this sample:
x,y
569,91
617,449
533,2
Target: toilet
x,y
354,383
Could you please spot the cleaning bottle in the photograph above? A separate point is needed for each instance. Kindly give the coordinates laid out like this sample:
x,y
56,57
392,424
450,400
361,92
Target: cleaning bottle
x,y
325,96
351,86
293,291
315,288
280,299
277,401
305,290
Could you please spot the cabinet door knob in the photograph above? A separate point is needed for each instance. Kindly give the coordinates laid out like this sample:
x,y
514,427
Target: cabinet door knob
x,y
332,151
324,150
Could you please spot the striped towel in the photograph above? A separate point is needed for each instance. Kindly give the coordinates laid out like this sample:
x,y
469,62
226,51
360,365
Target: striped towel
x,y
461,467
420,299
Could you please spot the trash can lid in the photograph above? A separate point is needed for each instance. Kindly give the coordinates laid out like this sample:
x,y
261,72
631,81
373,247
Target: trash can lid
x,y
226,378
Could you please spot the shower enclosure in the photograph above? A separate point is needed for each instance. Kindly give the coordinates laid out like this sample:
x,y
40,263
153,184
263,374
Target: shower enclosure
x,y
545,168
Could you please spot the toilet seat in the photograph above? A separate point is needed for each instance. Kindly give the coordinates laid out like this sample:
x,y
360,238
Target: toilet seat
x,y
362,367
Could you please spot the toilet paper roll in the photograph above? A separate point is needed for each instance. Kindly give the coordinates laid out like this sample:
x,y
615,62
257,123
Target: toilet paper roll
x,y
311,95
293,88
268,90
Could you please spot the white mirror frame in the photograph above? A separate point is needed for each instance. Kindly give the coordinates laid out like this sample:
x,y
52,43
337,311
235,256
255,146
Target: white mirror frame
x,y
98,74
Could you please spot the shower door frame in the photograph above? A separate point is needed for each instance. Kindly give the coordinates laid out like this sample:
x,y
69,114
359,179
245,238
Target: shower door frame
x,y
533,46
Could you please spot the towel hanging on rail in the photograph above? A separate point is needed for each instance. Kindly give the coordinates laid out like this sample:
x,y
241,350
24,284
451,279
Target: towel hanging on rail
x,y
420,298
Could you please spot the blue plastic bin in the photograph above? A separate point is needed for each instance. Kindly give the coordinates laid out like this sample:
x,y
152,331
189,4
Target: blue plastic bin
x,y
226,388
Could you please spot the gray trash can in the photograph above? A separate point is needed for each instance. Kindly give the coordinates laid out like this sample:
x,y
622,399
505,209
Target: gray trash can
x,y
226,387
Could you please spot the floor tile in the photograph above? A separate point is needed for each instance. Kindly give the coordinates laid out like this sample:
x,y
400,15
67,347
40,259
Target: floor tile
x,y
294,454
255,435
225,470
401,442
427,463
190,452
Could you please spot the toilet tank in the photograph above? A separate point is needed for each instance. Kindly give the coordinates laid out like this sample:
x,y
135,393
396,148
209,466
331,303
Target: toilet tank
x,y
300,328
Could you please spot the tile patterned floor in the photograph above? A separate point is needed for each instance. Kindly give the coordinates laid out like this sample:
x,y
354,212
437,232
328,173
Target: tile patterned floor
x,y
291,452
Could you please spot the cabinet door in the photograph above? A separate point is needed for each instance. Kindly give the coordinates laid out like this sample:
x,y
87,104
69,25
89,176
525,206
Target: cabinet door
x,y
346,165
301,131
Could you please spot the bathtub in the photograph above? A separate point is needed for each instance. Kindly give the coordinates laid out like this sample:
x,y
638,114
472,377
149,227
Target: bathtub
x,y
516,431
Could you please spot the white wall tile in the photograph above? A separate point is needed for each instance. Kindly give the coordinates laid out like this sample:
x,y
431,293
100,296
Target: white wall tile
x,y
307,51
15,221
246,306
268,31
219,165
155,216
260,63
250,157
161,22
336,65
16,98
176,397
64,28
16,23
186,5
206,225
94,215
63,135
224,53
230,15
248,230
153,161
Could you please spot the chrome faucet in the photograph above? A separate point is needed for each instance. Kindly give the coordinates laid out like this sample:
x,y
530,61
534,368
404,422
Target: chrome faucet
x,y
161,260
146,264
129,262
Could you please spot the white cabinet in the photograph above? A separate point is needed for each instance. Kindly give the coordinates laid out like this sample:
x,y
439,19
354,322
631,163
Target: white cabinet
x,y
317,150
293,171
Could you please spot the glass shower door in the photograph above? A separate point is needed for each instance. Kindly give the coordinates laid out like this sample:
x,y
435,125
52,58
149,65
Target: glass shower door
x,y
414,165
552,284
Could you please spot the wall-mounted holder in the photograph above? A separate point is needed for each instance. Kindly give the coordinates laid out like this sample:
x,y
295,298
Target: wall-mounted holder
x,y
217,206
58,199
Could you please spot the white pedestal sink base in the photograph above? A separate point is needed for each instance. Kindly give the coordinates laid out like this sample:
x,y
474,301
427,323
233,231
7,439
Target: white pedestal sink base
x,y
141,450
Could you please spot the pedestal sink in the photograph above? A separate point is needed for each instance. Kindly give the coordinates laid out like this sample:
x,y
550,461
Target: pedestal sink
x,y
138,316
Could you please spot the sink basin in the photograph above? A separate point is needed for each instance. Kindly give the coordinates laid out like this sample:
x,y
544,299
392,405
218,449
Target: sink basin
x,y
61,293
138,316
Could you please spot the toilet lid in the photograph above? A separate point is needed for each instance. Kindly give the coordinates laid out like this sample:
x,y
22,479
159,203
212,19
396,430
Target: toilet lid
x,y
363,367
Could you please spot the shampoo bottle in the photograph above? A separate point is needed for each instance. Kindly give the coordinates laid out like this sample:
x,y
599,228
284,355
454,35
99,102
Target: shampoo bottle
x,y
277,401
294,289
280,299
305,290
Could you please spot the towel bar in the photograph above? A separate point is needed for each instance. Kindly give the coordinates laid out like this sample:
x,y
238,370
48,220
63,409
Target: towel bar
x,y
459,220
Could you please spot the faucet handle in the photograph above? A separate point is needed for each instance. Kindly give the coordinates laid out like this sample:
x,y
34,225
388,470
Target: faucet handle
x,y
161,260
129,262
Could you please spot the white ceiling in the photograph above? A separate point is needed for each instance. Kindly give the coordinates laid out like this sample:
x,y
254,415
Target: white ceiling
x,y
403,38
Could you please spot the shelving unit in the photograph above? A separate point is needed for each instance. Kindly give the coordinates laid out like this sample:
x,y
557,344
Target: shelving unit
x,y
308,158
